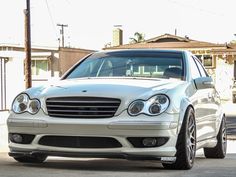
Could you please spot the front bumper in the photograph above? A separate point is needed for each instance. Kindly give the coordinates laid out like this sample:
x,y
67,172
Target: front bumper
x,y
17,154
118,128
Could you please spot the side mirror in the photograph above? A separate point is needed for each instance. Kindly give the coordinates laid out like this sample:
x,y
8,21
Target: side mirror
x,y
204,83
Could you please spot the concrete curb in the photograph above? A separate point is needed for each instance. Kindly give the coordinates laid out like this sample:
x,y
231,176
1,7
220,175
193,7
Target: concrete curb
x,y
231,137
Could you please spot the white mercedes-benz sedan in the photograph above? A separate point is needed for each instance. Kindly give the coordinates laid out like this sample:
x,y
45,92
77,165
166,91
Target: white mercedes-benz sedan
x,y
135,104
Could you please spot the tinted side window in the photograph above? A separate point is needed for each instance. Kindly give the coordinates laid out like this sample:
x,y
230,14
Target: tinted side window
x,y
201,69
194,69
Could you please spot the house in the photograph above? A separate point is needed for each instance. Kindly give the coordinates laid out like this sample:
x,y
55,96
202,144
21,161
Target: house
x,y
46,64
218,59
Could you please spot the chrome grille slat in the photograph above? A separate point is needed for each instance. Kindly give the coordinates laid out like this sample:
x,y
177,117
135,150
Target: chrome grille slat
x,y
80,116
70,106
82,107
82,111
65,101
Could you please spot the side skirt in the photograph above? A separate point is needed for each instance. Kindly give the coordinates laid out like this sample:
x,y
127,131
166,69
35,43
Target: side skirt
x,y
207,143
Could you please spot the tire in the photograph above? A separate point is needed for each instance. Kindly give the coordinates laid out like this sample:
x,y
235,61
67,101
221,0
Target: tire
x,y
186,143
33,159
219,151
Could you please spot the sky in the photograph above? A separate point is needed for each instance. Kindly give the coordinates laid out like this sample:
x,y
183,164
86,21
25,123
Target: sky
x,y
90,22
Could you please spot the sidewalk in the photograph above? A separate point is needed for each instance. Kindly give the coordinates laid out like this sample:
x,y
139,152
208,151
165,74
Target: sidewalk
x,y
3,131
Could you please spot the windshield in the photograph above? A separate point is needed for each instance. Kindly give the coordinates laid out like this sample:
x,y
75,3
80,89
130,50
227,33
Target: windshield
x,y
128,66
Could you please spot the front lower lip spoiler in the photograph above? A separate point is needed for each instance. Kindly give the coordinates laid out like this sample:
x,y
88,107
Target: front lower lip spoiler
x,y
18,154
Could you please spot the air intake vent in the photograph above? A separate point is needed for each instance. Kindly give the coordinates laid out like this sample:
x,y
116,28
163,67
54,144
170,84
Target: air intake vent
x,y
79,142
82,107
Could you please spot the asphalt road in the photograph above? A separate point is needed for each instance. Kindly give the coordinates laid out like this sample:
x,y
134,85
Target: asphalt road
x,y
231,125
61,167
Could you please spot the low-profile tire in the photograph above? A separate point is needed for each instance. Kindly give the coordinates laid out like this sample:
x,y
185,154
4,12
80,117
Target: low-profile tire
x,y
219,151
33,159
186,143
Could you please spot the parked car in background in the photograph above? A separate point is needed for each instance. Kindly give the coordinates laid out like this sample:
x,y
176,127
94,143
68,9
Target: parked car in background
x,y
136,104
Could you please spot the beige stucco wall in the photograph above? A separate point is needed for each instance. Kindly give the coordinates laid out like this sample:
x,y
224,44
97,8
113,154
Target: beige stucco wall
x,y
70,56
53,64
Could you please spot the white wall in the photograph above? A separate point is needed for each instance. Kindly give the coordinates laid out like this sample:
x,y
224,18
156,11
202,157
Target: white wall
x,y
14,76
15,79
224,79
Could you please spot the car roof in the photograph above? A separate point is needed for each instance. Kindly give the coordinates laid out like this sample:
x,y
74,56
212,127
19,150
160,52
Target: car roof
x,y
144,50
139,52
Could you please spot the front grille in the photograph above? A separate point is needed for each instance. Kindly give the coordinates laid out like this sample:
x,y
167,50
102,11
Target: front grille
x,y
82,107
79,142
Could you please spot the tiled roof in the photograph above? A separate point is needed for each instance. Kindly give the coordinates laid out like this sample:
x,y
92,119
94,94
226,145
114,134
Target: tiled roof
x,y
229,48
172,41
232,46
179,45
179,38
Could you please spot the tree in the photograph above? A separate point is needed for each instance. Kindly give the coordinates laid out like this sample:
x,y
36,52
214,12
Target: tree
x,y
138,37
233,41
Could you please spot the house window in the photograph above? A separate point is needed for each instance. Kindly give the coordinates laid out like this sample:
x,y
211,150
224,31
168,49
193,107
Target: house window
x,y
207,60
39,67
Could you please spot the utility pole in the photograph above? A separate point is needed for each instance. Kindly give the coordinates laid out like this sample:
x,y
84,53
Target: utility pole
x,y
62,33
28,80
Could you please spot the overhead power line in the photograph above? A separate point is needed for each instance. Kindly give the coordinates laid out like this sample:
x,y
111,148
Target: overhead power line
x,y
179,3
51,19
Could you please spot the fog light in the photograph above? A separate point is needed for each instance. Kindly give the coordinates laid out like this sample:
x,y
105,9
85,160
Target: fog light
x,y
17,138
149,142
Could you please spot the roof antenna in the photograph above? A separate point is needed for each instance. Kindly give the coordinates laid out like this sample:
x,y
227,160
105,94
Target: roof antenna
x,y
175,31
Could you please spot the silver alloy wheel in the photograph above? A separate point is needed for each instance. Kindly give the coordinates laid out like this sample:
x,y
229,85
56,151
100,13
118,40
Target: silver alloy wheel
x,y
224,136
191,139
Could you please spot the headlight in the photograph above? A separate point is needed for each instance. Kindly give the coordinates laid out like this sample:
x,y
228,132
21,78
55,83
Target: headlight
x,y
157,104
23,103
136,107
153,106
34,106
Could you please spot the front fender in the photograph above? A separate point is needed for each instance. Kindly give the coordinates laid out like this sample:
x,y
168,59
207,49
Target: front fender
x,y
184,104
219,118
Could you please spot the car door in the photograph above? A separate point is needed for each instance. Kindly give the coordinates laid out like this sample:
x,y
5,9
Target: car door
x,y
206,106
211,107
200,101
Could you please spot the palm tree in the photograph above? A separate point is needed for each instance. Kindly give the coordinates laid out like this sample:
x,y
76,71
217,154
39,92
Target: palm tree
x,y
138,37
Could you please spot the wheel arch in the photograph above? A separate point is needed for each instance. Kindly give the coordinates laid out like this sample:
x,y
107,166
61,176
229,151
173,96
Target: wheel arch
x,y
218,122
184,106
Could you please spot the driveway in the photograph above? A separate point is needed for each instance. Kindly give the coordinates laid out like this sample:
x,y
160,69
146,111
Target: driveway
x,y
61,167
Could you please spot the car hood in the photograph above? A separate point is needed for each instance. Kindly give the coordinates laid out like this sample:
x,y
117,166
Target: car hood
x,y
127,90
115,88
